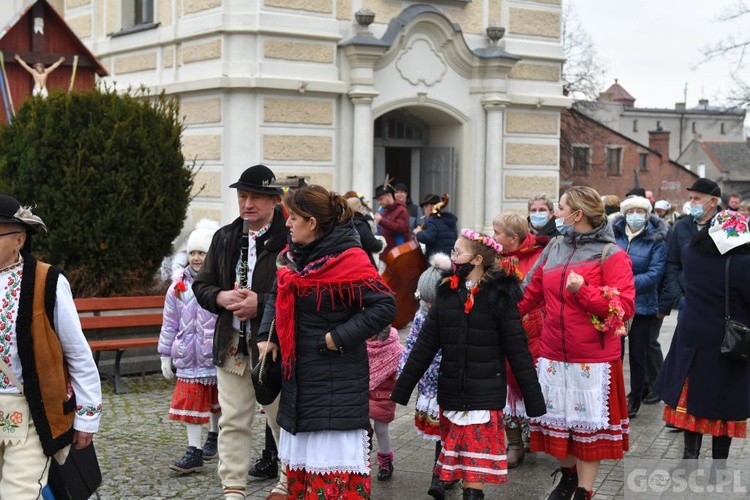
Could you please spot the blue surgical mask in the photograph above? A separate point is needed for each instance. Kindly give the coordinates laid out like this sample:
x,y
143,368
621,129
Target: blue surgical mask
x,y
636,221
562,227
538,219
697,211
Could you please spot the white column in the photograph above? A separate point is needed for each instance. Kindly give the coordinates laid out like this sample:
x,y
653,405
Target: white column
x,y
362,147
493,173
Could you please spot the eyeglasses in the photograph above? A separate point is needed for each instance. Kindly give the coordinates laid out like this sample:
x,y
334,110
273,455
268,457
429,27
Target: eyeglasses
x,y
10,232
455,254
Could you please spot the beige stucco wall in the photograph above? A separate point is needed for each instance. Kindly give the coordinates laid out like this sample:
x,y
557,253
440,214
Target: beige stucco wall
x,y
531,123
298,147
297,111
164,13
470,15
69,4
530,154
58,5
207,184
550,2
193,6
199,213
110,23
201,51
539,72
168,57
203,111
80,25
297,51
344,10
324,6
132,64
526,186
534,22
324,179
495,9
201,147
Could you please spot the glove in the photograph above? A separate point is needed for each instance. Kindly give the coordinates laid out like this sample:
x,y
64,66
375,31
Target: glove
x,y
166,368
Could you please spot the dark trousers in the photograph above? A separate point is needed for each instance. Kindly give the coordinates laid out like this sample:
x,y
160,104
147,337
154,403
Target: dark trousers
x,y
654,356
638,339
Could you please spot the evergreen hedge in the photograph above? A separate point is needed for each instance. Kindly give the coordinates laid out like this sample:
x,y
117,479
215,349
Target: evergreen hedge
x,y
107,175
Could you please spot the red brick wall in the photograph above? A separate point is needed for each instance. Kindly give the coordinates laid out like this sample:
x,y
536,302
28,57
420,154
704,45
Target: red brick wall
x,y
666,179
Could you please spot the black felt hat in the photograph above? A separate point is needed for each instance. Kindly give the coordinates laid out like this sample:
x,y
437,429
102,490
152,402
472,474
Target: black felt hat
x,y
430,199
706,186
11,212
258,179
381,190
400,186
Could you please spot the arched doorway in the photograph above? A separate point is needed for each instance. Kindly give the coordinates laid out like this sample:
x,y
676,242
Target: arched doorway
x,y
419,146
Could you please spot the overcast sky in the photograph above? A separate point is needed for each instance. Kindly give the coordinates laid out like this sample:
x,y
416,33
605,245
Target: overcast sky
x,y
653,47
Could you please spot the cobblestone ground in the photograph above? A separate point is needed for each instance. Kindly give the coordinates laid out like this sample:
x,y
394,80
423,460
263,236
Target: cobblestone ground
x,y
137,443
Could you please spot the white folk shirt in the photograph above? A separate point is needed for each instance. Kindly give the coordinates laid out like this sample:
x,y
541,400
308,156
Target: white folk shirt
x,y
84,376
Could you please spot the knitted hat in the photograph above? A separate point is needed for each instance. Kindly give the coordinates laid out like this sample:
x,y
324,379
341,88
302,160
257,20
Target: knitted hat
x,y
200,239
662,205
635,202
430,279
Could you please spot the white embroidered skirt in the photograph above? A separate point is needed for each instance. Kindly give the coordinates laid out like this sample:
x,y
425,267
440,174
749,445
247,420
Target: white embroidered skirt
x,y
326,451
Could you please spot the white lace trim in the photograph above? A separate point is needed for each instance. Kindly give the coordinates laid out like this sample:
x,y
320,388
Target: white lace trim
x,y
428,405
474,417
190,413
576,394
428,437
520,410
324,452
202,380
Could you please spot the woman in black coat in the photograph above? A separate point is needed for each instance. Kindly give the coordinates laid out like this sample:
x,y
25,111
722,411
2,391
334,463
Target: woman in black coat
x,y
704,391
327,302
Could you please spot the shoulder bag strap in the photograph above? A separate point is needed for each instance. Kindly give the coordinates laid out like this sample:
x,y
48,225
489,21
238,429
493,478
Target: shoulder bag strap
x,y
605,251
726,289
11,376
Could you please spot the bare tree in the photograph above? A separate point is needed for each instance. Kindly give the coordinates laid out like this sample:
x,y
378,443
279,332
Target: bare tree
x,y
583,72
734,48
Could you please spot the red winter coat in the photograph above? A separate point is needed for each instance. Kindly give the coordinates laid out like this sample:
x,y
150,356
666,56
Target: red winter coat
x,y
395,221
568,334
382,409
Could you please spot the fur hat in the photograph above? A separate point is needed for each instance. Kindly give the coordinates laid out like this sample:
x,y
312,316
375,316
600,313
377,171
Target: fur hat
x,y
200,239
430,279
635,202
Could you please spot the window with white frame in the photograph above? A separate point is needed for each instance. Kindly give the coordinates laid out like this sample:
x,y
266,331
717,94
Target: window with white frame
x,y
137,14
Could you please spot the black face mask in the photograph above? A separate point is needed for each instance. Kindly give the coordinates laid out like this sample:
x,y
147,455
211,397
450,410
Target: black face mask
x,y
463,270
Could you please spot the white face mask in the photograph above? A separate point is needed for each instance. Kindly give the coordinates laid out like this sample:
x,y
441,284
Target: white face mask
x,y
562,227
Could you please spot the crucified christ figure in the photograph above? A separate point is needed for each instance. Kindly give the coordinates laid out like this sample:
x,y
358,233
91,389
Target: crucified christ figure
x,y
39,73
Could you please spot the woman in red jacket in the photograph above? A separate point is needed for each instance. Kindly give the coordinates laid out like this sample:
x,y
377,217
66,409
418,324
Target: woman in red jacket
x,y
521,249
586,283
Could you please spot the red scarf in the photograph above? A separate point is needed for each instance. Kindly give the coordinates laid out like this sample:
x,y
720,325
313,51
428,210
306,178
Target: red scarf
x,y
342,277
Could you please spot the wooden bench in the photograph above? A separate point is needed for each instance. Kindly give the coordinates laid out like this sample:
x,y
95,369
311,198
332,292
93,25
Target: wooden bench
x,y
90,313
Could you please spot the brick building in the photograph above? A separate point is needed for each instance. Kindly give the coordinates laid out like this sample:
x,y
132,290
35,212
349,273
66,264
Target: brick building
x,y
592,154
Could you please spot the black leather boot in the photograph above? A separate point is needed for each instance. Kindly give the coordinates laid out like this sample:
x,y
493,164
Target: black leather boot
x,y
693,442
267,467
437,488
719,452
567,485
210,449
473,494
192,461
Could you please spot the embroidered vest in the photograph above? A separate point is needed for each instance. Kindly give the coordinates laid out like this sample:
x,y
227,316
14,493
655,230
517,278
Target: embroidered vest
x,y
45,373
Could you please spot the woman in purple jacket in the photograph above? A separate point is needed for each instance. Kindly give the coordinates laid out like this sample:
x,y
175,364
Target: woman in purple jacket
x,y
187,341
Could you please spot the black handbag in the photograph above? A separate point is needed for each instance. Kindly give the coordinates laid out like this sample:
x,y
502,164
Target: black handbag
x,y
266,375
736,342
78,478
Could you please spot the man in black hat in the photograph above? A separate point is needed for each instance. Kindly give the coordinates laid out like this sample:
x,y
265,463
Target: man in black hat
x,y
704,196
216,289
393,222
402,195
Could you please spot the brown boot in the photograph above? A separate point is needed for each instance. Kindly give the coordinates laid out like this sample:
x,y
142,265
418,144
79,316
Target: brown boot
x,y
515,447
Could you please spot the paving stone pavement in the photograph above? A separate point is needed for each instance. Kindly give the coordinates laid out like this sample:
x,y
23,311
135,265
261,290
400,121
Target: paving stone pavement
x,y
137,442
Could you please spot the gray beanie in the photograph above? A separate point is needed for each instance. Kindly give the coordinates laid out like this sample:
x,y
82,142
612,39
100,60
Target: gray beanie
x,y
430,279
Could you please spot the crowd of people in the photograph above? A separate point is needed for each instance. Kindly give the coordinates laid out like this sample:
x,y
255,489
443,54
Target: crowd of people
x,y
517,345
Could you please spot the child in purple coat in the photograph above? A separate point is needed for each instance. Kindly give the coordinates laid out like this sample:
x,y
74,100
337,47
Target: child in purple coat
x,y
186,341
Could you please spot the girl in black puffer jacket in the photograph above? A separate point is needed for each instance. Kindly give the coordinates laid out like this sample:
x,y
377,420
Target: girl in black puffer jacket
x,y
475,321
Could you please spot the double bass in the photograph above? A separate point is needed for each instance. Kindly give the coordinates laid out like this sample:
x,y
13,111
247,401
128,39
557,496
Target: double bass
x,y
404,265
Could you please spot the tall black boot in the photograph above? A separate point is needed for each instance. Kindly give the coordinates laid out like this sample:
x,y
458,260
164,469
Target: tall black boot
x,y
719,452
693,442
267,467
437,488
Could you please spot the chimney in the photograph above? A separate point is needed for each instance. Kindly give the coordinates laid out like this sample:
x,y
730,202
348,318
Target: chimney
x,y
679,106
658,140
606,97
703,103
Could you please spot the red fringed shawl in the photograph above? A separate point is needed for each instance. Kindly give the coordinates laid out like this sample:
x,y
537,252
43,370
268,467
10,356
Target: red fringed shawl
x,y
342,277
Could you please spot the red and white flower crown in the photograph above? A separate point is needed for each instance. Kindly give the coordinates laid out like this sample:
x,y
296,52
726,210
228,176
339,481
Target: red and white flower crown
x,y
483,239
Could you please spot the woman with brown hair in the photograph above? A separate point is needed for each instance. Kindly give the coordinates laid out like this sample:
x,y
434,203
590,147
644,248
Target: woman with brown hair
x,y
586,282
327,302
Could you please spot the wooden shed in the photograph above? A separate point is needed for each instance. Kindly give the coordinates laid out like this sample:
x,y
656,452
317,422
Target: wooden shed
x,y
38,34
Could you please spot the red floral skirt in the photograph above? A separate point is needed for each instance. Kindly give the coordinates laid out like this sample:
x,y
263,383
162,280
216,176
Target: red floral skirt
x,y
680,418
590,445
193,402
426,425
303,485
474,453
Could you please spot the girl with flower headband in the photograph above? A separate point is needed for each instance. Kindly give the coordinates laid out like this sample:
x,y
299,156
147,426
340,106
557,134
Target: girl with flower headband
x,y
586,284
475,321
